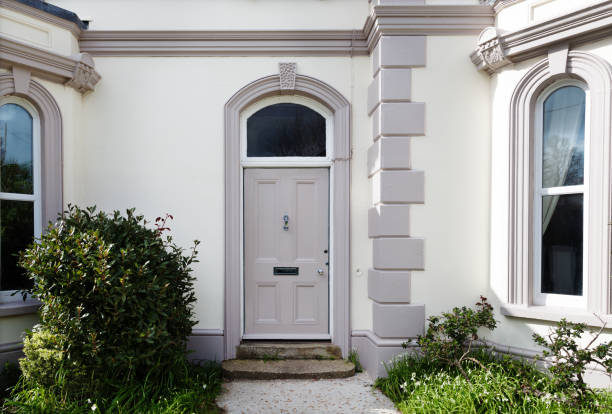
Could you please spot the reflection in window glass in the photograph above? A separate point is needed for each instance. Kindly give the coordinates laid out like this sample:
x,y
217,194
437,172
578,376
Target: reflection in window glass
x,y
563,143
16,233
15,150
286,130
562,241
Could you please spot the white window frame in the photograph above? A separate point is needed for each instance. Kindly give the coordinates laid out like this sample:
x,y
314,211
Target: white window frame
x,y
549,299
9,296
322,110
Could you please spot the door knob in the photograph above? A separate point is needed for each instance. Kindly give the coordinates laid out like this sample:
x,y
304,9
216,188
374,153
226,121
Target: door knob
x,y
320,272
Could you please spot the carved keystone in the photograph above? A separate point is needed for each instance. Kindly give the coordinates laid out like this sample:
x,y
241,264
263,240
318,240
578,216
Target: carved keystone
x,y
287,71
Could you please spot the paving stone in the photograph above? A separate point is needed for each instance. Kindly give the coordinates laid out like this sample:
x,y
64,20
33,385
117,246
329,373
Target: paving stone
x,y
353,395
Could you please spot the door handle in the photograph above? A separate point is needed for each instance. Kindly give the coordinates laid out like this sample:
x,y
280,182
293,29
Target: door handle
x,y
320,271
285,219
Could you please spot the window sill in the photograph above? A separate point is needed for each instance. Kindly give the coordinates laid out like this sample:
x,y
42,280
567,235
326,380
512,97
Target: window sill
x,y
28,307
547,313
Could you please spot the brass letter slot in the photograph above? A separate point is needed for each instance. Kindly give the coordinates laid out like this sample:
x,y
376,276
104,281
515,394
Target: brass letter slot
x,y
286,271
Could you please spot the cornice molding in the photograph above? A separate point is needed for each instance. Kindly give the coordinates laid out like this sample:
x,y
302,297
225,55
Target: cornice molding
x,y
223,43
77,71
426,20
384,20
42,15
588,24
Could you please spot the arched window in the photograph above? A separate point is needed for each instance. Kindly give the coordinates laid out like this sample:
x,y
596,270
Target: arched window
x,y
559,185
20,187
560,196
286,130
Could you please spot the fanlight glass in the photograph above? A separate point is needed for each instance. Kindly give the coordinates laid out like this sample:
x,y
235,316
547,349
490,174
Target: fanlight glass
x,y
286,130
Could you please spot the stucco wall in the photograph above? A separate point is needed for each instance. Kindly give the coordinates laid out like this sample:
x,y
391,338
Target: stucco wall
x,y
219,15
454,153
152,137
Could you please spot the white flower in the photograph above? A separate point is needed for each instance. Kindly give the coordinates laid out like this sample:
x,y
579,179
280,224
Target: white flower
x,y
204,386
94,407
417,383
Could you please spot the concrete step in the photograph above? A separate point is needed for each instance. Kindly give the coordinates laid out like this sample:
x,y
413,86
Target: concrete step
x,y
288,350
286,369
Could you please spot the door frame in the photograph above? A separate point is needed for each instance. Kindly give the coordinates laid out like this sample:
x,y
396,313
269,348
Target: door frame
x,y
281,163
338,162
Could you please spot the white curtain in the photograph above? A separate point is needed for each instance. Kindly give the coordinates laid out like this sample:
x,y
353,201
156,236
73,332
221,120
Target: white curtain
x,y
563,120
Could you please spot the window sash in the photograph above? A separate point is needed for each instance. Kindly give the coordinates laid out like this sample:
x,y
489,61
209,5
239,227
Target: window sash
x,y
6,296
538,297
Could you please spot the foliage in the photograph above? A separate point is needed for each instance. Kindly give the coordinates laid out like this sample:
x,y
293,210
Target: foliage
x,y
419,385
9,376
192,389
569,361
116,300
449,338
353,357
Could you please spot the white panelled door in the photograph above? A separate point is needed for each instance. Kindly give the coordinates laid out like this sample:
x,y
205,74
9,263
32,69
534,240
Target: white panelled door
x,y
286,241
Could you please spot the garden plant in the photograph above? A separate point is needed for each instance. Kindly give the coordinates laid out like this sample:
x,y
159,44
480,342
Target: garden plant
x,y
117,298
452,370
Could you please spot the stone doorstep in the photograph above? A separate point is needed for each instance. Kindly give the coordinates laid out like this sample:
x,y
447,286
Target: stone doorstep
x,y
288,350
286,369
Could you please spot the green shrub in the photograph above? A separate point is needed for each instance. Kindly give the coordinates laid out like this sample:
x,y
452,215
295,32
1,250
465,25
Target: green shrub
x,y
569,361
116,299
9,376
449,338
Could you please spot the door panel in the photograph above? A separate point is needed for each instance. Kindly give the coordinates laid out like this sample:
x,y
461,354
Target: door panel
x,y
286,303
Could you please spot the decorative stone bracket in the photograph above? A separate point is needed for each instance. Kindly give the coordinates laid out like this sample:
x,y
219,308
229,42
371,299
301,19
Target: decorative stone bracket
x,y
85,77
489,54
77,71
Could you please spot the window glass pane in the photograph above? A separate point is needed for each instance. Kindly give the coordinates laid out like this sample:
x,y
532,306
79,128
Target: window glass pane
x,y
16,233
562,244
15,150
286,130
563,143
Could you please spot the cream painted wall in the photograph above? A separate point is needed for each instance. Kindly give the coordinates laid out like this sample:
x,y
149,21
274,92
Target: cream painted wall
x,y
219,15
29,30
455,155
152,137
526,12
515,331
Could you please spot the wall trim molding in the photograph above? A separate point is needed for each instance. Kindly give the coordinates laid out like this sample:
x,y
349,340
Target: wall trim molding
x,y
51,134
340,267
493,52
384,20
42,15
11,347
597,74
206,332
27,307
77,71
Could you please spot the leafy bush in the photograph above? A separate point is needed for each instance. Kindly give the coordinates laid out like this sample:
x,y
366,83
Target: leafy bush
x,y
449,338
192,389
116,299
569,360
416,385
8,379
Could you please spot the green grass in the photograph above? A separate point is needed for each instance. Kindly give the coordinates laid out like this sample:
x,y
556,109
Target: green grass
x,y
506,386
193,392
353,357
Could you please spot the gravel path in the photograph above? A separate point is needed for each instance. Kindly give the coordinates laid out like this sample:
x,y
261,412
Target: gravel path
x,y
347,395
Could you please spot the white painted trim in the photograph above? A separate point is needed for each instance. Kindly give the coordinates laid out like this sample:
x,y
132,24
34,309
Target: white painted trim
x,y
247,161
549,299
7,296
293,162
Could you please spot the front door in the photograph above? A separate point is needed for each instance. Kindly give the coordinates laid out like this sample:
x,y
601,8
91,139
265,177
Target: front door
x,y
286,241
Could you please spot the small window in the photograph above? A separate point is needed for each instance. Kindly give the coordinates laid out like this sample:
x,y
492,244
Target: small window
x,y
19,188
286,130
559,199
